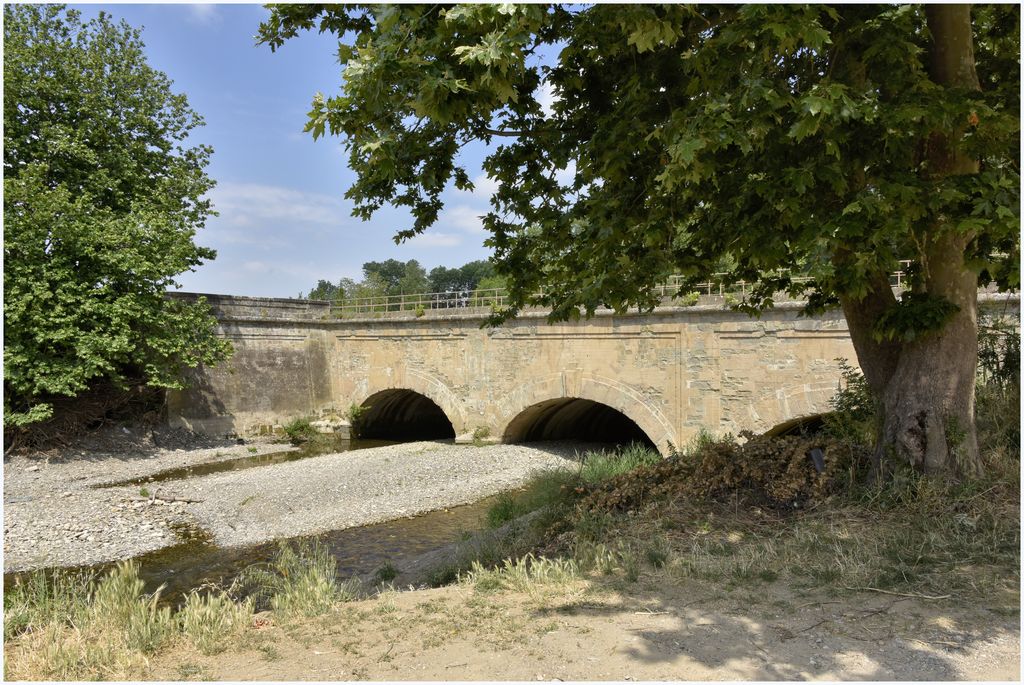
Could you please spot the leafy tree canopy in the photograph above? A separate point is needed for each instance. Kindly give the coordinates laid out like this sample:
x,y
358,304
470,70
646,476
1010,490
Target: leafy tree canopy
x,y
831,141
101,201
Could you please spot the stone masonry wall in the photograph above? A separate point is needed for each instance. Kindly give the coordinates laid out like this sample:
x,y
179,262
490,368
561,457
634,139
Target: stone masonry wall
x,y
672,371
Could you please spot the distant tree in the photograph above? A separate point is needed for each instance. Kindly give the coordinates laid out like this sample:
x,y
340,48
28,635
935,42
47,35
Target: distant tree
x,y
325,290
101,203
492,283
444,279
371,286
390,272
836,140
414,280
474,272
465,277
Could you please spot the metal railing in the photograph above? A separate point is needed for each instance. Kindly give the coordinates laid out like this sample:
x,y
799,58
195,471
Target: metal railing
x,y
492,299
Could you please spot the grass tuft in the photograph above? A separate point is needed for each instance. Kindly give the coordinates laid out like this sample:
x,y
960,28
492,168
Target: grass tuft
x,y
69,629
212,620
300,581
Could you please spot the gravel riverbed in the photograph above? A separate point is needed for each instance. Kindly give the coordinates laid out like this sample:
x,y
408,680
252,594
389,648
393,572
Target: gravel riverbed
x,y
54,515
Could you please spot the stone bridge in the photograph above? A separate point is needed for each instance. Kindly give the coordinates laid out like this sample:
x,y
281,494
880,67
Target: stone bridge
x,y
658,377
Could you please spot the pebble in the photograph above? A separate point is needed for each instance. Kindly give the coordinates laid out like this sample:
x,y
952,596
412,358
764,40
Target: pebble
x,y
49,516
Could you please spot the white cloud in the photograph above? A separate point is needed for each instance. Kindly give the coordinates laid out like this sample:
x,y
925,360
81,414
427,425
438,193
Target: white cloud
x,y
246,204
567,175
546,98
435,240
462,217
483,187
204,14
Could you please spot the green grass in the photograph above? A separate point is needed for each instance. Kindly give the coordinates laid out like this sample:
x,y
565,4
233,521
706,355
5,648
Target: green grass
x,y
555,491
385,573
41,599
601,466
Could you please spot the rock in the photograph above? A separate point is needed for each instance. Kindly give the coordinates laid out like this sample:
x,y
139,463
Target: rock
x,y
32,468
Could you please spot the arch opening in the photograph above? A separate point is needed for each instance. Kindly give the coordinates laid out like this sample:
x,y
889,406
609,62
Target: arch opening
x,y
802,425
401,414
573,418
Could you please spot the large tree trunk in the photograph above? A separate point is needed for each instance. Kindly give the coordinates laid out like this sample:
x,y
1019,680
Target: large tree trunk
x,y
929,401
926,386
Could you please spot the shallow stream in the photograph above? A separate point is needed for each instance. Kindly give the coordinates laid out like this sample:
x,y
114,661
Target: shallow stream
x,y
197,561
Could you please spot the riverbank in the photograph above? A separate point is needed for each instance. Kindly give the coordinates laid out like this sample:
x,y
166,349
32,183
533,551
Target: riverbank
x,y
602,628
603,579
55,515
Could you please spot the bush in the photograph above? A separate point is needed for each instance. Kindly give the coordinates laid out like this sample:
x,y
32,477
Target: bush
x,y
855,411
356,416
300,430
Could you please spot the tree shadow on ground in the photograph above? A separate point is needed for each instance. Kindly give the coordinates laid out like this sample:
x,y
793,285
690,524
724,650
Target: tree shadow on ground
x,y
772,632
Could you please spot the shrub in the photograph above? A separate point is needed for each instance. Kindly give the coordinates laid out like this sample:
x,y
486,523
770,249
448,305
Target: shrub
x,y
480,434
300,430
356,416
855,412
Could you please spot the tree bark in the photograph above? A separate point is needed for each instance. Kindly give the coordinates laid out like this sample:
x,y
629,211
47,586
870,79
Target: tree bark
x,y
928,402
926,386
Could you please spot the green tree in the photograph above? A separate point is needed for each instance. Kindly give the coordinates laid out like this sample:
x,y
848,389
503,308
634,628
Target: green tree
x,y
444,279
101,202
834,141
390,272
397,277
325,290
465,277
414,280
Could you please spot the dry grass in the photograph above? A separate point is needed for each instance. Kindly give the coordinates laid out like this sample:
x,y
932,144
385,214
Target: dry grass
x,y
100,631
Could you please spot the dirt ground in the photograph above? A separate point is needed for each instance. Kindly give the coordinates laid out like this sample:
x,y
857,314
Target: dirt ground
x,y
608,629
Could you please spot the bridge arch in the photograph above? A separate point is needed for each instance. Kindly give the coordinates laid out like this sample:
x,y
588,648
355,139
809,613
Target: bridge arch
x,y
542,399
401,414
409,394
790,405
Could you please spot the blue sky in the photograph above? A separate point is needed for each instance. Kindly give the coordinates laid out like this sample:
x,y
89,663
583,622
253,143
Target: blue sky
x,y
284,222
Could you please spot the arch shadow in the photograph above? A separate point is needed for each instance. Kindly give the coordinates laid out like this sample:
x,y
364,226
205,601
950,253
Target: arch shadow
x,y
561,387
402,414
574,418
